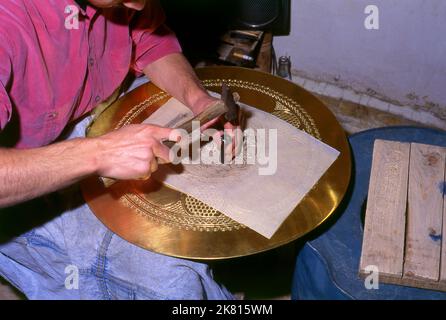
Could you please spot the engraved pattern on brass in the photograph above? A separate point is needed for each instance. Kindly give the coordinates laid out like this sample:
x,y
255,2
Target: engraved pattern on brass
x,y
286,108
136,110
186,214
288,115
190,213
140,227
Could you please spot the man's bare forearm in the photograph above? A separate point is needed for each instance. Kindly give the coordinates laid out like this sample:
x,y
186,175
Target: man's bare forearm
x,y
125,154
174,74
26,174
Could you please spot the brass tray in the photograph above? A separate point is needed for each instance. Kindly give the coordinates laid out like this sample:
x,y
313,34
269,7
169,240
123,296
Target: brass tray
x,y
162,220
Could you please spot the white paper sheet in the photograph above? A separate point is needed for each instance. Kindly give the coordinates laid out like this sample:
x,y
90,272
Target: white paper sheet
x,y
260,202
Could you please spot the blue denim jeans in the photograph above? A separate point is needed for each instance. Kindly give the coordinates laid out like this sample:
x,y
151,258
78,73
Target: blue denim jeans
x,y
74,256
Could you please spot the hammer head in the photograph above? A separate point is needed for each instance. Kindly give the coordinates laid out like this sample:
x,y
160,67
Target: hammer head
x,y
233,108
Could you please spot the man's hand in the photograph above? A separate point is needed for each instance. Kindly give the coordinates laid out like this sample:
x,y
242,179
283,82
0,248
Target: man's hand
x,y
174,75
132,152
233,130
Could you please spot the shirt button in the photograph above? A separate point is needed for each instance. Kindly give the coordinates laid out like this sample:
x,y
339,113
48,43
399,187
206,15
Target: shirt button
x,y
97,99
91,62
52,115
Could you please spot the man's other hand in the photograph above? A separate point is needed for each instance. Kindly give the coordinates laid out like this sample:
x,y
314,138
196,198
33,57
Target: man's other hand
x,y
232,129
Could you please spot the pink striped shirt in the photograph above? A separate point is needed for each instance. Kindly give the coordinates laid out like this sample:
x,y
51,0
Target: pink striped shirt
x,y
51,75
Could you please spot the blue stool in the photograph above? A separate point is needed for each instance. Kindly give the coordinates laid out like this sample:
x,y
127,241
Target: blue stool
x,y
327,266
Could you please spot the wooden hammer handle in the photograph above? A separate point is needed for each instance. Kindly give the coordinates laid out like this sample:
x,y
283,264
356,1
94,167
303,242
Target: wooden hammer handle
x,y
214,111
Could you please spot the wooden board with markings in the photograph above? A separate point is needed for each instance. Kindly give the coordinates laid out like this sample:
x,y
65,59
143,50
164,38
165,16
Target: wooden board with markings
x,y
406,215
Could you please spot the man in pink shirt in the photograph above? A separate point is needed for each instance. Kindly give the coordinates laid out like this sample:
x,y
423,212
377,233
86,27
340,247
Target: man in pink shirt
x,y
53,73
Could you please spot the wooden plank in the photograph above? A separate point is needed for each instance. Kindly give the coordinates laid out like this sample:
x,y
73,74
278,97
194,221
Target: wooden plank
x,y
425,213
442,189
415,282
384,232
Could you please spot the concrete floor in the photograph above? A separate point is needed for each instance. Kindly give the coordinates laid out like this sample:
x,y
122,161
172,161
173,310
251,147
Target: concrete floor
x,y
355,117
